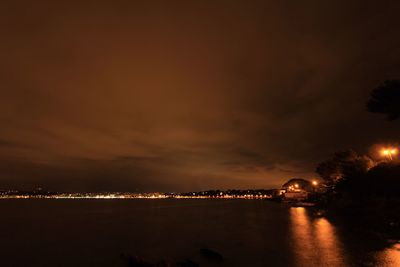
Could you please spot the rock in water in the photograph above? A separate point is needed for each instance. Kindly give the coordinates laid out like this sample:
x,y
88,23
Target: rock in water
x,y
135,261
187,263
211,254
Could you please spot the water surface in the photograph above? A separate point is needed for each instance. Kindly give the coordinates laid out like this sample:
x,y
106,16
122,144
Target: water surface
x,y
245,232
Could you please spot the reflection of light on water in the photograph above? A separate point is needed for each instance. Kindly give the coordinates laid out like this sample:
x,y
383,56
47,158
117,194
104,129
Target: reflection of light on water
x,y
330,249
304,246
315,242
390,257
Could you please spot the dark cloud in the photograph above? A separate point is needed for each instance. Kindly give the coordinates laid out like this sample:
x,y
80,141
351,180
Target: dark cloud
x,y
178,95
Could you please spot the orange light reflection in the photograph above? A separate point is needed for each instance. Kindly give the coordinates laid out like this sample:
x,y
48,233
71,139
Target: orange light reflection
x,y
390,257
330,248
315,241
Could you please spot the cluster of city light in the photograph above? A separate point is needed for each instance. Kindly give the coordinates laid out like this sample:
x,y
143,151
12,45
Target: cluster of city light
x,y
88,196
226,196
131,196
296,186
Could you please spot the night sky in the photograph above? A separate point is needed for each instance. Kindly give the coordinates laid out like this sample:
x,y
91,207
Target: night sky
x,y
188,95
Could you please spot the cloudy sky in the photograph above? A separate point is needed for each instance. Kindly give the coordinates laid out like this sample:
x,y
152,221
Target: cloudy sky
x,y
188,95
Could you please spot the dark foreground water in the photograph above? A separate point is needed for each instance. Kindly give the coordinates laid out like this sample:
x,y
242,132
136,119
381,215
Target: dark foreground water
x,y
244,232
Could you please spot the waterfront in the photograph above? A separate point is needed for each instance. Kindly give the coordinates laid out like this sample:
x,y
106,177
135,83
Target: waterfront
x,y
50,232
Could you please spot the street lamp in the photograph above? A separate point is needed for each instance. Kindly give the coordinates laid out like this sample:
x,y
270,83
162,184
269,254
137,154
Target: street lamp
x,y
314,184
389,153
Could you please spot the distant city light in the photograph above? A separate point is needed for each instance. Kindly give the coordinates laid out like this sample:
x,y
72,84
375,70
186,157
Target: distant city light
x,y
314,182
250,194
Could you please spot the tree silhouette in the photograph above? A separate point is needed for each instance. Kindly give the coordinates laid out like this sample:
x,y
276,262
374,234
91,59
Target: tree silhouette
x,y
386,99
342,166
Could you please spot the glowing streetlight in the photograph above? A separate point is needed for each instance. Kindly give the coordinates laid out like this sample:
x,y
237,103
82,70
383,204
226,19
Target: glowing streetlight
x,y
389,152
314,183
296,185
